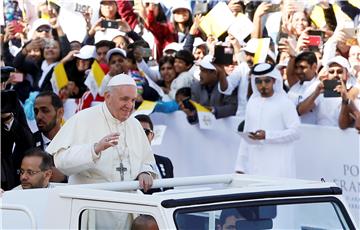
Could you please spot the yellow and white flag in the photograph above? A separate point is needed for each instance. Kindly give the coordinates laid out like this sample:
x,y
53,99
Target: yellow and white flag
x,y
218,20
206,118
146,107
262,49
94,78
59,78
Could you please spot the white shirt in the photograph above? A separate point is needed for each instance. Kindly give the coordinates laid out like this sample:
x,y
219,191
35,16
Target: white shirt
x,y
273,156
239,78
298,93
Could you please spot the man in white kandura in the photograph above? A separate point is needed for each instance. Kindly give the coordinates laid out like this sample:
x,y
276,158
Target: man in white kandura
x,y
103,143
271,123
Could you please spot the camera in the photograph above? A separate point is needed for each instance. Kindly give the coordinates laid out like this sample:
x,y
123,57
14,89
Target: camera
x,y
223,55
5,73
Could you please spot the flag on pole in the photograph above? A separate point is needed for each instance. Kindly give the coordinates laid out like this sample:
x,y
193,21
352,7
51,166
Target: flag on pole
x,y
205,116
146,107
94,78
262,49
59,78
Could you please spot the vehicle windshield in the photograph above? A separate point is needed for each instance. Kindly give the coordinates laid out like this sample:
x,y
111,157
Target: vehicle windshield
x,y
305,216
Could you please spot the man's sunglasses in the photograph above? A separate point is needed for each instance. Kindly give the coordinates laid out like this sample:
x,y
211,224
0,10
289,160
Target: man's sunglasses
x,y
40,30
147,131
259,81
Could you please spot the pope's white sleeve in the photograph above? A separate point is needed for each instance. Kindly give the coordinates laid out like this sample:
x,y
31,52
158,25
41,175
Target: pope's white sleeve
x,y
75,159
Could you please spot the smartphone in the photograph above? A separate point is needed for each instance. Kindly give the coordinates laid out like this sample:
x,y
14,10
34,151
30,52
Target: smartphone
x,y
274,8
188,105
146,52
18,27
223,55
315,39
200,8
109,24
329,86
16,77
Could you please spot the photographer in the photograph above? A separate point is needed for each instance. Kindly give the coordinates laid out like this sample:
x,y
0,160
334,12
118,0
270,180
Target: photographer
x,y
326,99
16,138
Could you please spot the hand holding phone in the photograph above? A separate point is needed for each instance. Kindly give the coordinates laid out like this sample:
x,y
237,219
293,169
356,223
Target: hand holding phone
x,y
223,55
16,77
109,24
146,52
329,88
18,27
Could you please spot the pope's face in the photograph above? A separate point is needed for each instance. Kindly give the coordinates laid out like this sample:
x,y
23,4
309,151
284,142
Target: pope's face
x,y
120,101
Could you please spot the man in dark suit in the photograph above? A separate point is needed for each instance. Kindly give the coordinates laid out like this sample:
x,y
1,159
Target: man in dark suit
x,y
15,138
49,111
163,164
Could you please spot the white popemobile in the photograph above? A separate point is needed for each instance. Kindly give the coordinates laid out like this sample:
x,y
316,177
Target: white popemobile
x,y
195,203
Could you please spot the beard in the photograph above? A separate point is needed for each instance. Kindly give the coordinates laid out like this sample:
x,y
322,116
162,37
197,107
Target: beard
x,y
47,128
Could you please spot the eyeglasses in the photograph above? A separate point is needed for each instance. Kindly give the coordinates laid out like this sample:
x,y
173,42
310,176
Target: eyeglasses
x,y
259,81
147,131
336,71
45,29
30,172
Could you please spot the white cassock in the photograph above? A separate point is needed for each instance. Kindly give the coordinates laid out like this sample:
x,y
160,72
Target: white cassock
x,y
73,148
277,116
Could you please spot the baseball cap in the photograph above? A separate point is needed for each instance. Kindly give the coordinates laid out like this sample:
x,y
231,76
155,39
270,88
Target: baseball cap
x,y
115,51
86,52
341,61
206,62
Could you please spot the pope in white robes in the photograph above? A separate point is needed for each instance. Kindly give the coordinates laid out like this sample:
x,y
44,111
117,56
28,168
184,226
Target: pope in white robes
x,y
271,127
103,143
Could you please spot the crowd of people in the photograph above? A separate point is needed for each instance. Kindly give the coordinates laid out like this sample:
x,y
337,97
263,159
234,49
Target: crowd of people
x,y
302,67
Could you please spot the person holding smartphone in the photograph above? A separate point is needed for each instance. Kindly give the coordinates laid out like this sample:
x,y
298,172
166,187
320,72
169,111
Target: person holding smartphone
x,y
271,127
325,100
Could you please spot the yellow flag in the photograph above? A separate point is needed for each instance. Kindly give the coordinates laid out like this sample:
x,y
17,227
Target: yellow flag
x,y
205,116
146,107
59,78
217,21
199,108
262,49
98,73
94,78
318,17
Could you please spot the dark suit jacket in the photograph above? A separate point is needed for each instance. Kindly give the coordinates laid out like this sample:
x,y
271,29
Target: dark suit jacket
x,y
20,135
166,170
165,166
38,140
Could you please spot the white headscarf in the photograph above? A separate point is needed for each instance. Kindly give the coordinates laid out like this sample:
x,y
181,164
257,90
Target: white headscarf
x,y
266,70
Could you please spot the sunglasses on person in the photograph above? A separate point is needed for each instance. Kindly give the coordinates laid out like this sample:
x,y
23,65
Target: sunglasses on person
x,y
147,131
44,29
336,71
259,81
